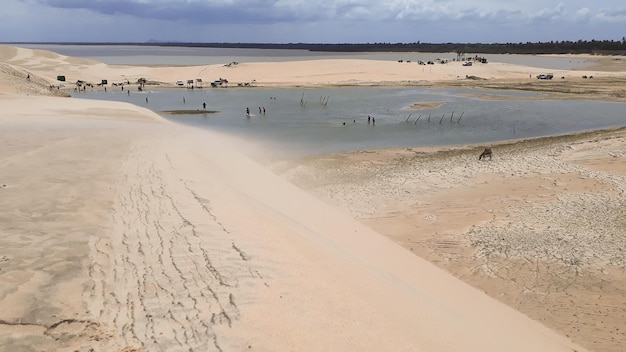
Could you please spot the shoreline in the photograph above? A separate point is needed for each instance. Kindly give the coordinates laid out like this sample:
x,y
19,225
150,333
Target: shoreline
x,y
452,150
510,143
604,89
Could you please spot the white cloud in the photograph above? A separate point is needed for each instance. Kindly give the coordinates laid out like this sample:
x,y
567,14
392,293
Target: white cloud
x,y
611,17
547,14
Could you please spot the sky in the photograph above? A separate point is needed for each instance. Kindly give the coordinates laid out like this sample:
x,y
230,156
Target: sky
x,y
311,21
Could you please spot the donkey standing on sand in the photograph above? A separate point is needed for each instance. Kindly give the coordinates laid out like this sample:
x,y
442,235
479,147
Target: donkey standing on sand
x,y
486,153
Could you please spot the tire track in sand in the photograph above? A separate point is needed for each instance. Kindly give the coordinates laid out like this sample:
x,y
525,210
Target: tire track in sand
x,y
169,273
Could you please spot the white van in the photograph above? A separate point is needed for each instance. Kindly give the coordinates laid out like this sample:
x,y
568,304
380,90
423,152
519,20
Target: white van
x,y
180,83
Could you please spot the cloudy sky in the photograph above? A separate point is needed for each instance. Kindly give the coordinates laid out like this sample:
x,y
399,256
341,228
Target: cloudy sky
x,y
311,21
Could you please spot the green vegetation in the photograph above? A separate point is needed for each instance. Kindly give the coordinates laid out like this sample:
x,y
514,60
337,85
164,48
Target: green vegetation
x,y
604,47
598,47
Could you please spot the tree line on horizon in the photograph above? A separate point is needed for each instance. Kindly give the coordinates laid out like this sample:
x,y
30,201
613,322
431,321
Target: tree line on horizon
x,y
597,47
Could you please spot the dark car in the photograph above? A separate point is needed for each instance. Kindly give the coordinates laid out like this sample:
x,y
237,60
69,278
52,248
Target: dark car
x,y
545,76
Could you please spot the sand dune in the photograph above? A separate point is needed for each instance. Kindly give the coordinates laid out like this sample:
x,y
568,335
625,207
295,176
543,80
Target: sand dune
x,y
199,254
122,231
310,73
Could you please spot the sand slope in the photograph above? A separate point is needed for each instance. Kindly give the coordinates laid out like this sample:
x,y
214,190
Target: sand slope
x,y
208,250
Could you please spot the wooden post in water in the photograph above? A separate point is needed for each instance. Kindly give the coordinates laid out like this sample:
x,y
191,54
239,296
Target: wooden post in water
x,y
417,119
459,120
442,116
451,115
408,117
428,117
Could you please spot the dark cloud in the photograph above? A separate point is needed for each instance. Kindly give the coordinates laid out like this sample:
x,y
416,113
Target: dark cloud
x,y
312,21
302,12
257,12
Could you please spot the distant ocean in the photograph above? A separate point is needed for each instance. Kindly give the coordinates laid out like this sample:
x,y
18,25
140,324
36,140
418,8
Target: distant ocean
x,y
180,56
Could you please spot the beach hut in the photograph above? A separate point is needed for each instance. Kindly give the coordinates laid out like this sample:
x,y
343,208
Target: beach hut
x,y
198,82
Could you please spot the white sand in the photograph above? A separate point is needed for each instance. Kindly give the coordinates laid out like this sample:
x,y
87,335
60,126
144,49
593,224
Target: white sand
x,y
540,227
122,231
338,72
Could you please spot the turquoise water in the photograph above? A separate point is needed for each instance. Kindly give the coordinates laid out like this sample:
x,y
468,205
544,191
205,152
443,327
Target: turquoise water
x,y
314,127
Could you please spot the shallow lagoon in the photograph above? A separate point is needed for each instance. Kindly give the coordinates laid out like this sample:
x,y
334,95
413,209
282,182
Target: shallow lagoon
x,y
293,128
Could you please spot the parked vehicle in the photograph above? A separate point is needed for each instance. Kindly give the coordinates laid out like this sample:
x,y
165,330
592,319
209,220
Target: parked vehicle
x,y
467,63
545,76
219,82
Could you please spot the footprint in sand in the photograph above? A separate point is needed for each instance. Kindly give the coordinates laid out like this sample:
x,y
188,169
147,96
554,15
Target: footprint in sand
x,y
3,259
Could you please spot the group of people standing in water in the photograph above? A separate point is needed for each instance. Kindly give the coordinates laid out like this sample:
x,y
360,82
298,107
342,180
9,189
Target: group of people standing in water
x,y
370,120
261,111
